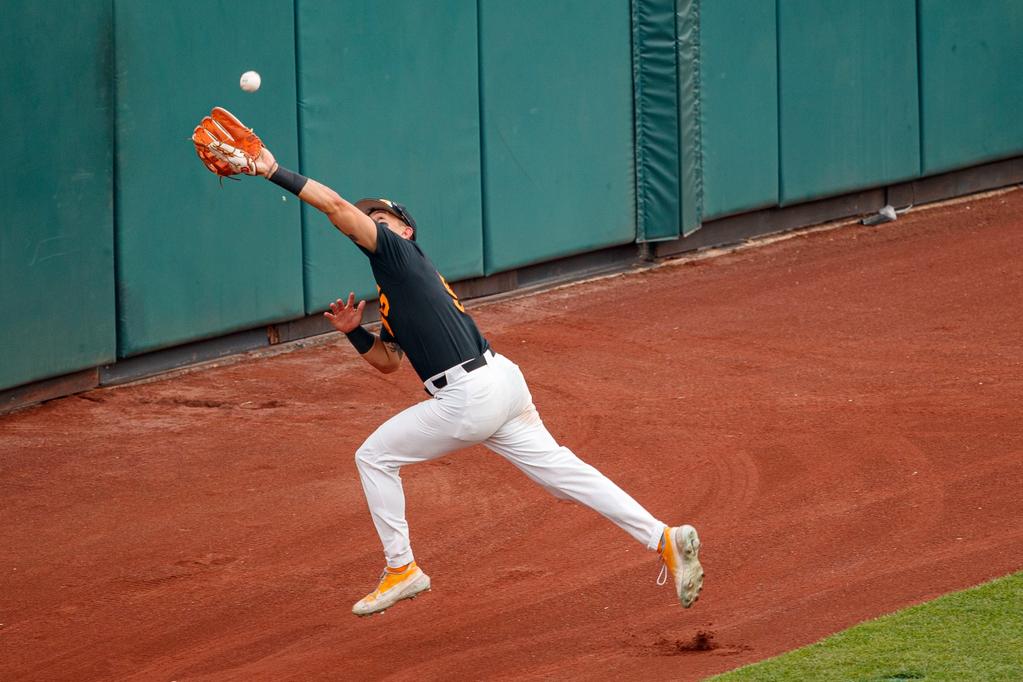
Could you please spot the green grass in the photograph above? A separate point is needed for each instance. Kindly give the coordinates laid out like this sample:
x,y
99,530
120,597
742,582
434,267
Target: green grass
x,y
976,634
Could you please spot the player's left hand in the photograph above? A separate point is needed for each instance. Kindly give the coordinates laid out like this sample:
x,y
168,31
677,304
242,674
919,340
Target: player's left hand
x,y
345,317
225,146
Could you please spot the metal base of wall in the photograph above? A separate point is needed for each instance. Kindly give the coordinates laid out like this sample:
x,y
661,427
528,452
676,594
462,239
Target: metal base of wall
x,y
148,364
715,233
48,389
957,183
734,229
550,273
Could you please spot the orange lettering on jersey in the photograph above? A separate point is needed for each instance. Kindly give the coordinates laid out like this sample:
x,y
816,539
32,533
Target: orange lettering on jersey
x,y
385,307
458,304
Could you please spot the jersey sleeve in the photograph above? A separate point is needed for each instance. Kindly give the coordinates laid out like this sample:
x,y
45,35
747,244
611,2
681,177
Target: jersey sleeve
x,y
392,252
386,336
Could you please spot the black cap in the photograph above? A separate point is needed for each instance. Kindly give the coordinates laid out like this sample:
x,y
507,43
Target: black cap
x,y
367,206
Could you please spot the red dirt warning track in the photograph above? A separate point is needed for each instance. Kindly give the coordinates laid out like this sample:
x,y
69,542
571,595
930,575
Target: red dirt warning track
x,y
838,413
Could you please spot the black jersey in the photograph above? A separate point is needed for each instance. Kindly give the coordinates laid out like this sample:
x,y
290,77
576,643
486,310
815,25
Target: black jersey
x,y
418,310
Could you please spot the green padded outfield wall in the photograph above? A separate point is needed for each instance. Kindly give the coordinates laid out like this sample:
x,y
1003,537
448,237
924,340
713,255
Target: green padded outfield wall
x,y
557,128
739,93
848,114
389,107
656,112
56,200
196,259
971,82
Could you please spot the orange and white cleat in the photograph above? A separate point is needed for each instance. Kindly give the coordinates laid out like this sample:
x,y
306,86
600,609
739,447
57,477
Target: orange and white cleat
x,y
680,550
394,586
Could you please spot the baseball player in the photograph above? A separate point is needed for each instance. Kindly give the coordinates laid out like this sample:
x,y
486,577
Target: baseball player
x,y
476,394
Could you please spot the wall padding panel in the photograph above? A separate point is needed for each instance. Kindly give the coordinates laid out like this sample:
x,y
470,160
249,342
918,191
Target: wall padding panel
x,y
655,79
389,107
971,68
557,128
848,95
56,199
739,88
196,259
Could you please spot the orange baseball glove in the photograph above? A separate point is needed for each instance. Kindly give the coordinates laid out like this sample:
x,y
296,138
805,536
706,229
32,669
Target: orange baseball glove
x,y
226,146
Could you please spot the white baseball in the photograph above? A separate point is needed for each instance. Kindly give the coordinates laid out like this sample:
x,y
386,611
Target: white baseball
x,y
250,81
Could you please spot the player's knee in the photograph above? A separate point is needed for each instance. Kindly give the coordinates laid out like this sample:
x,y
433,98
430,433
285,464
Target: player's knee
x,y
365,456
369,456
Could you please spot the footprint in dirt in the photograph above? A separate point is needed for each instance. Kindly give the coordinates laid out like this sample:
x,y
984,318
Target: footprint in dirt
x,y
700,642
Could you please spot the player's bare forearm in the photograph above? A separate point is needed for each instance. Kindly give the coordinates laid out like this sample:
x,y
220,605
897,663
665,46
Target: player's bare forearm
x,y
359,227
384,356
352,222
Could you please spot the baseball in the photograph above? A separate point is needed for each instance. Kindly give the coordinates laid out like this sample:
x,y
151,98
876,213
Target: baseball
x,y
250,81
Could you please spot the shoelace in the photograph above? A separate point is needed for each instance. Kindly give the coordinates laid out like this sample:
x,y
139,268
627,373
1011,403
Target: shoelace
x,y
372,595
662,577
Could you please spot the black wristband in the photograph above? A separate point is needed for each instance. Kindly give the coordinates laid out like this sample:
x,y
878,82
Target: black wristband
x,y
361,339
293,182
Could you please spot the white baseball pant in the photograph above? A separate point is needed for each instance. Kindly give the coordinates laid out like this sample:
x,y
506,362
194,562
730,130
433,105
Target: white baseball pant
x,y
491,405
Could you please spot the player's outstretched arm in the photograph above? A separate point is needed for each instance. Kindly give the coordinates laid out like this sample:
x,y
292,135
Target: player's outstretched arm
x,y
344,215
347,319
227,147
